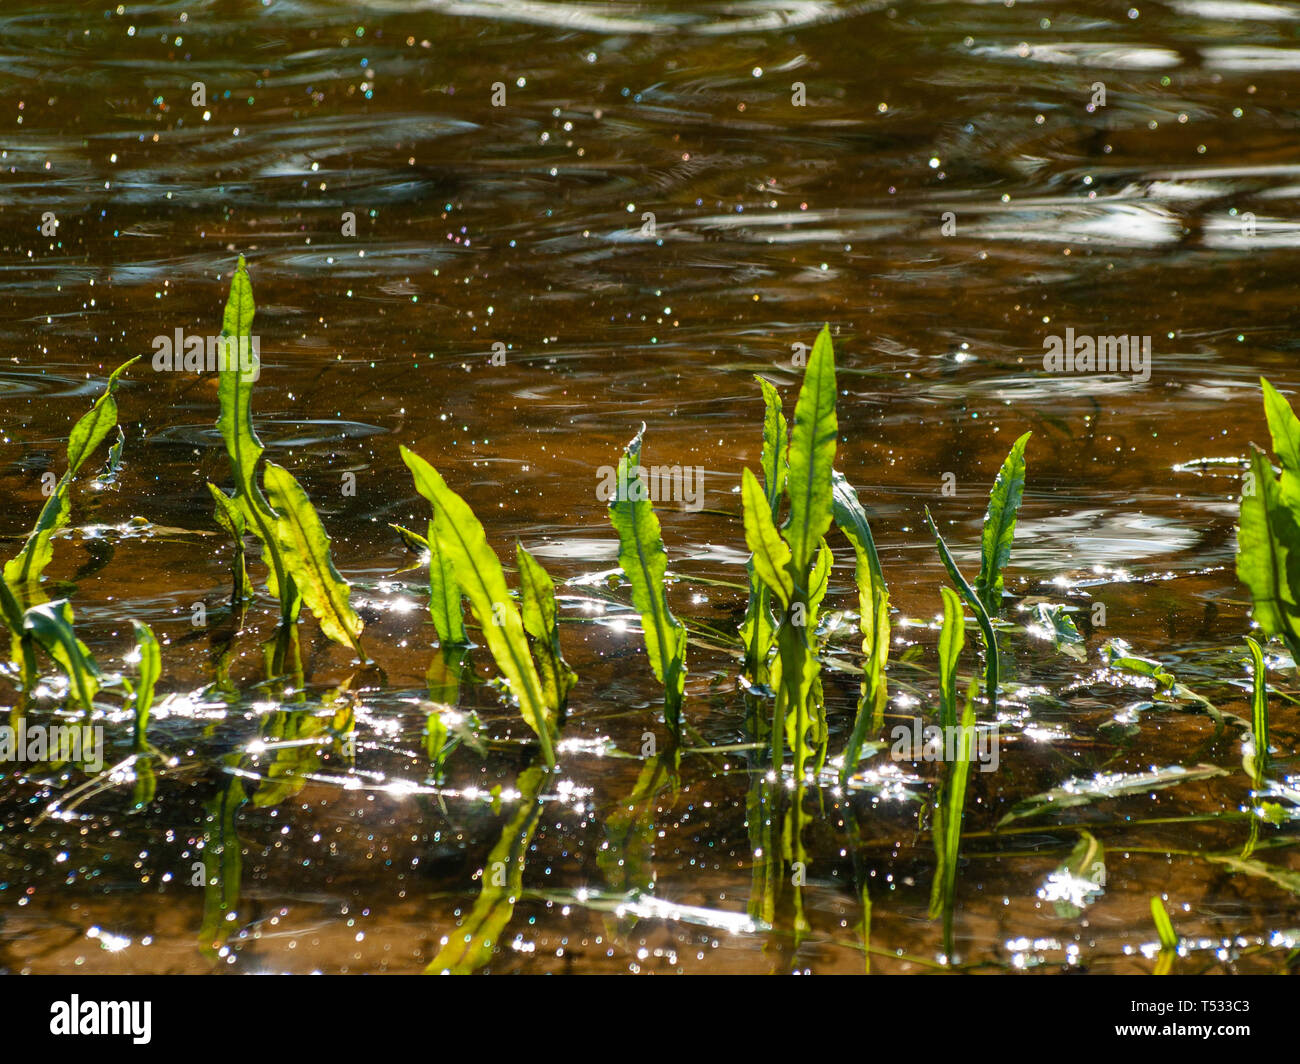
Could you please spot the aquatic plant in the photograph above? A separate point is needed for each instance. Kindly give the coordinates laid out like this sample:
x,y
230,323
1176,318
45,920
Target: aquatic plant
x,y
644,561
1000,526
873,617
23,572
758,630
784,560
950,800
50,624
541,622
1268,538
31,620
477,570
995,550
141,696
1166,934
1256,760
444,593
293,538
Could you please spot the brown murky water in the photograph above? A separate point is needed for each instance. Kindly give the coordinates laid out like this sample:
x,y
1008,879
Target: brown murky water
x,y
647,221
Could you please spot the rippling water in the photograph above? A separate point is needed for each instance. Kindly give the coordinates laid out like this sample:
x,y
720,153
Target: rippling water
x,y
670,198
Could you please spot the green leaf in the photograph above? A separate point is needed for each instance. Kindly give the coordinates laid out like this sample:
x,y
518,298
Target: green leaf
x,y
461,537
150,670
1115,654
1284,427
444,595
991,661
1164,928
1257,763
24,571
413,540
244,449
819,582
851,518
92,428
776,440
1268,553
50,624
644,562
812,456
758,630
305,549
873,614
10,610
1000,526
949,812
230,516
1056,624
1282,877
114,464
771,554
472,944
952,637
537,599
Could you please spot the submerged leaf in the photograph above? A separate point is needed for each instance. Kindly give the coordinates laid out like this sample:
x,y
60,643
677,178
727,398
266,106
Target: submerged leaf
x,y
1282,877
1257,762
1056,624
1078,880
1078,791
223,866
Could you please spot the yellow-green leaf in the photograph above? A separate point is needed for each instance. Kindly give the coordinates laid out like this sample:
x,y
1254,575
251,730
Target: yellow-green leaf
x,y
305,549
1000,526
50,623
770,553
478,572
812,456
537,599
644,562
